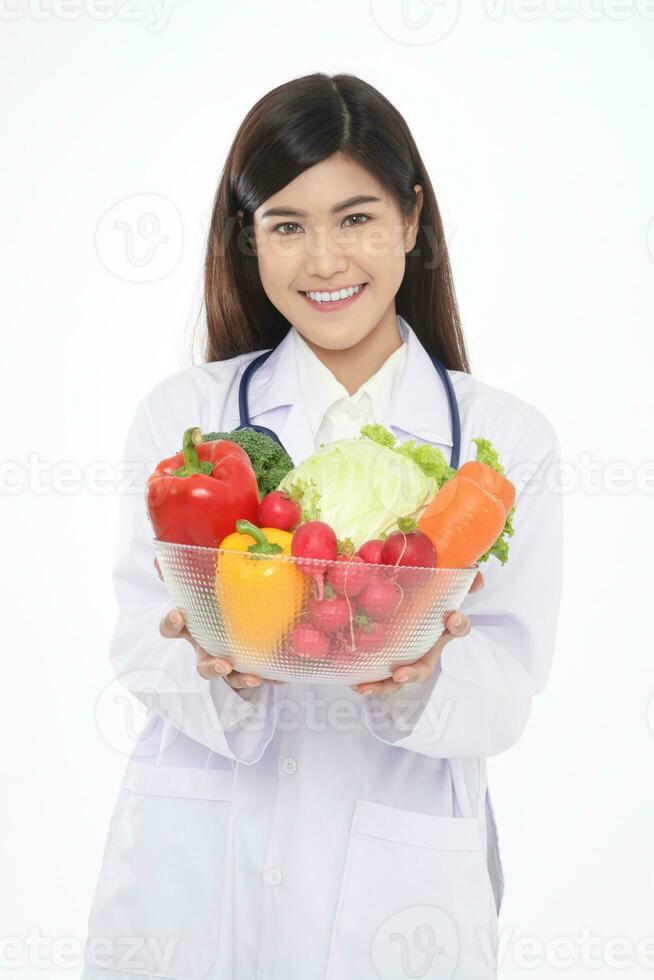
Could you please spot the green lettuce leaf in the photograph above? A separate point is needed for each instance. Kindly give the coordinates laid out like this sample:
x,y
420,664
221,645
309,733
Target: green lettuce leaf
x,y
486,453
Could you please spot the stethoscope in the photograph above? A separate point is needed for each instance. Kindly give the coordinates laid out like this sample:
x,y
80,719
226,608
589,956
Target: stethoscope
x,y
440,368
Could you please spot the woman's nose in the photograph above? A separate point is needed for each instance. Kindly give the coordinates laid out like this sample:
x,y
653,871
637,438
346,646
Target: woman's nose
x,y
323,255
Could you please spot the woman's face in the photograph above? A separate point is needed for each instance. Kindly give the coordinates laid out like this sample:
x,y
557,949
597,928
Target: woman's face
x,y
331,228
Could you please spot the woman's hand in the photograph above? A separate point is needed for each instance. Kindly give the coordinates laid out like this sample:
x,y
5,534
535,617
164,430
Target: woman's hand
x,y
456,624
173,627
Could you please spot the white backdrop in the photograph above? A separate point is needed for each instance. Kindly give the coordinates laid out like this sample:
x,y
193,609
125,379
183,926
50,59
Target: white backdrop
x,y
533,120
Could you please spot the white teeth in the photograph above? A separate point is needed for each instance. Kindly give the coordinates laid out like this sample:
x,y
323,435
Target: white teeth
x,y
336,295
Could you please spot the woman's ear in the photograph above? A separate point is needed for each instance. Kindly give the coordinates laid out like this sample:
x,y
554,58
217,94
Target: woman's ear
x,y
413,221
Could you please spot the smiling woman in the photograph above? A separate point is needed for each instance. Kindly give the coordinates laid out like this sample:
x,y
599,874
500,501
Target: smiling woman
x,y
328,240
348,205
305,831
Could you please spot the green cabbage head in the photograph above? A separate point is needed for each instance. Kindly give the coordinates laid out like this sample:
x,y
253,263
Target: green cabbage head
x,y
363,486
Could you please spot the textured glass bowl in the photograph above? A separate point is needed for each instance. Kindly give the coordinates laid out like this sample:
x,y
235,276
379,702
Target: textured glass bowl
x,y
255,611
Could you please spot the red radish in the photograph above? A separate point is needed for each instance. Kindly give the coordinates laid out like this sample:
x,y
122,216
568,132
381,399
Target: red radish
x,y
330,614
409,548
379,599
277,509
309,642
349,576
371,638
314,539
371,551
413,549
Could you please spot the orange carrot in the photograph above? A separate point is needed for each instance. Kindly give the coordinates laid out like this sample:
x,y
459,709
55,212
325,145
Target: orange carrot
x,y
490,480
463,521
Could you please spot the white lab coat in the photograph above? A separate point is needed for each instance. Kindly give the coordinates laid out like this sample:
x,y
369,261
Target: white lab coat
x,y
306,832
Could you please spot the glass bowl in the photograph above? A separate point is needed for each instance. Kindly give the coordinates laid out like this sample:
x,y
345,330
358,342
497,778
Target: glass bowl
x,y
309,619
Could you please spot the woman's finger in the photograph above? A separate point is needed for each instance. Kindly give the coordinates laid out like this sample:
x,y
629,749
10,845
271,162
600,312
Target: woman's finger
x,y
156,565
477,583
457,624
210,666
239,681
173,625
419,670
387,686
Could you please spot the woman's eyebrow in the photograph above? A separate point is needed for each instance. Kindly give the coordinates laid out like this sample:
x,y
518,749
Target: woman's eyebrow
x,y
351,202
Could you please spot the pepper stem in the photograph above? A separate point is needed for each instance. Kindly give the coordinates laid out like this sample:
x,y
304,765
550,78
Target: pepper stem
x,y
262,545
192,462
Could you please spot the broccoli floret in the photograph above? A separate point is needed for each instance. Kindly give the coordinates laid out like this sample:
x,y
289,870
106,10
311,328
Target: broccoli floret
x,y
270,462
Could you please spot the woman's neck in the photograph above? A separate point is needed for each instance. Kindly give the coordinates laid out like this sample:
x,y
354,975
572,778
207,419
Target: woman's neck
x,y
356,364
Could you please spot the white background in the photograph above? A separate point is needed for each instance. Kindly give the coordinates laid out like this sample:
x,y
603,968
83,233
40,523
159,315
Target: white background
x,y
535,124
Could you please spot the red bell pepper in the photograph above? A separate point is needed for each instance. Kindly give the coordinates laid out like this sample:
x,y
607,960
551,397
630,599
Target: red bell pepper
x,y
196,496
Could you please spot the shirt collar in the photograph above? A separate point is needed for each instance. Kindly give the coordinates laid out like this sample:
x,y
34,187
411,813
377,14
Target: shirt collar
x,y
419,406
323,391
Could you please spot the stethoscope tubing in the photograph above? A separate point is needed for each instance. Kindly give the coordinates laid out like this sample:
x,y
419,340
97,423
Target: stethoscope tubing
x,y
244,411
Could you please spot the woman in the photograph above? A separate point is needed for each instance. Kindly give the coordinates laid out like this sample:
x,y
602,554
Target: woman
x,y
282,831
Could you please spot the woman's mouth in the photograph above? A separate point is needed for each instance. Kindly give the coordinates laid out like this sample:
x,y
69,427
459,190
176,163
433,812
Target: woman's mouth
x,y
327,300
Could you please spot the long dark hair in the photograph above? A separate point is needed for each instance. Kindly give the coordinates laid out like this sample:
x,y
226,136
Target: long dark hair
x,y
293,127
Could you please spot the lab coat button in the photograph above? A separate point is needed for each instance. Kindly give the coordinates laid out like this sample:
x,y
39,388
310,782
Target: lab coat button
x,y
273,876
289,765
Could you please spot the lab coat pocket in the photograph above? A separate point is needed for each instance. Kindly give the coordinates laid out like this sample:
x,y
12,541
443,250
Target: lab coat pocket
x,y
156,907
415,899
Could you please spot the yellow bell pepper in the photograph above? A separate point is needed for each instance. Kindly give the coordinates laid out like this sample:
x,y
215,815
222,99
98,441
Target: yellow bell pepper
x,y
260,596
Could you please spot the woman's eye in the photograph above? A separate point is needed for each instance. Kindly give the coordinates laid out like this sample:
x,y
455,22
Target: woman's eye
x,y
351,216
287,224
289,227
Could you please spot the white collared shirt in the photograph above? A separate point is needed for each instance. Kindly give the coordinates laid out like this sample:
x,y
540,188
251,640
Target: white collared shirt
x,y
332,412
